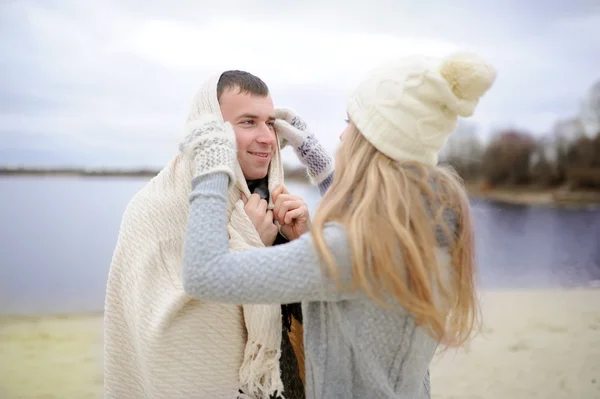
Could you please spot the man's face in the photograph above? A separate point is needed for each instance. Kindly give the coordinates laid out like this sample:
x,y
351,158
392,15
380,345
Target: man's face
x,y
252,118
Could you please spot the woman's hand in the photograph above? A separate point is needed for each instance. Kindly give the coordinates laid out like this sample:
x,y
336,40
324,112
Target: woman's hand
x,y
291,212
293,130
210,145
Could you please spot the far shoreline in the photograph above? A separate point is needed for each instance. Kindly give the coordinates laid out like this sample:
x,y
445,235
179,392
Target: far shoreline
x,y
557,197
293,173
518,196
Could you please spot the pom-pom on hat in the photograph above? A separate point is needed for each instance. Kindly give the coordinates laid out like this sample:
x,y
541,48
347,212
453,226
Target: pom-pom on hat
x,y
408,109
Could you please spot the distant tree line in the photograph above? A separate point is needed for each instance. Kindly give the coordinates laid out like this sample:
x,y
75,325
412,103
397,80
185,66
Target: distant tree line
x,y
567,156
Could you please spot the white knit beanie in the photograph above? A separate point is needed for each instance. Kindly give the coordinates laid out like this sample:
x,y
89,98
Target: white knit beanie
x,y
408,109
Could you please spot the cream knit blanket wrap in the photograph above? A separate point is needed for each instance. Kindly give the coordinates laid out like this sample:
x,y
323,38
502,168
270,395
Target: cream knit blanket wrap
x,y
161,343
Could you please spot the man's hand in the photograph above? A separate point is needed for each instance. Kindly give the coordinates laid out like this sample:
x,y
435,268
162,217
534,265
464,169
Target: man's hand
x,y
262,219
291,212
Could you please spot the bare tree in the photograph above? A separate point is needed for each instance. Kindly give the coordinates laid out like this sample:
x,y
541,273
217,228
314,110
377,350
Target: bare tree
x,y
590,120
463,151
565,135
590,112
506,160
578,147
543,163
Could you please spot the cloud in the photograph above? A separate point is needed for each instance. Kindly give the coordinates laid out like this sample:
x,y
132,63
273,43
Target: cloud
x,y
112,76
293,56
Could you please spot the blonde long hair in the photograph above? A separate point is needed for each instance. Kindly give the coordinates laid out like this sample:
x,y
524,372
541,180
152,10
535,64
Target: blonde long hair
x,y
394,214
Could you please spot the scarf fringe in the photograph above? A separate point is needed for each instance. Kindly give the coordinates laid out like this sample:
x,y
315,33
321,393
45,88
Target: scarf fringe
x,y
260,374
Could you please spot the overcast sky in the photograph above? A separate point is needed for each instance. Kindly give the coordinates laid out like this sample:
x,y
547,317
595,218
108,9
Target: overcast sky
x,y
111,82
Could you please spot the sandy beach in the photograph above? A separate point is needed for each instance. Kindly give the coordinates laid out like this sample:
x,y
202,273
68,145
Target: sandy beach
x,y
51,357
535,344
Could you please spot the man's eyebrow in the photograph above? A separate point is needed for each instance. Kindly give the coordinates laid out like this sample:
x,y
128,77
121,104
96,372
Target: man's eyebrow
x,y
252,116
248,116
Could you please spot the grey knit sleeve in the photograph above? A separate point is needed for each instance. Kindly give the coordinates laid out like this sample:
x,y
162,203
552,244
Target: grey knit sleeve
x,y
285,273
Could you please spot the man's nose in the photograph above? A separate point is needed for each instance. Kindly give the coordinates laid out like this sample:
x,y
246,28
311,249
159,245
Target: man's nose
x,y
266,134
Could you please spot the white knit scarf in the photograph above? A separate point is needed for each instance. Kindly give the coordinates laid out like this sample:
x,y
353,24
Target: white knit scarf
x,y
259,373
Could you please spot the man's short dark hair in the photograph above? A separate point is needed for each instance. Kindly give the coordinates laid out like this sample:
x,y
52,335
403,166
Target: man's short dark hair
x,y
244,81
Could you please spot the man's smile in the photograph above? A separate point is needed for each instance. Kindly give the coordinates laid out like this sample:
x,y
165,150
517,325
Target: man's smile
x,y
261,155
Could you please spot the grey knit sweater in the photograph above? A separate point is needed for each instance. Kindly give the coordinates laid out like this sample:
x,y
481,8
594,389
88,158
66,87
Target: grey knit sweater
x,y
353,347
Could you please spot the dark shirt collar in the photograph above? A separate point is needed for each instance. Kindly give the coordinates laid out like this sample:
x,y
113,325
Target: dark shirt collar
x,y
260,187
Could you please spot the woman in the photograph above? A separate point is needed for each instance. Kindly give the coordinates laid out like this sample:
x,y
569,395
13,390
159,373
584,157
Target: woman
x,y
386,272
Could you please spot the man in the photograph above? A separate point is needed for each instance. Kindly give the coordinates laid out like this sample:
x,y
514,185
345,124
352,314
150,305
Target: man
x,y
245,102
160,343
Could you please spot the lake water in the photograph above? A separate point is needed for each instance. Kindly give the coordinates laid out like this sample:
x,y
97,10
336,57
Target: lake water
x,y
57,236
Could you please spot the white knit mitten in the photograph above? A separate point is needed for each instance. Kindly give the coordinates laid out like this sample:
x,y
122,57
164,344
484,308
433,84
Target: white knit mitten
x,y
310,152
210,144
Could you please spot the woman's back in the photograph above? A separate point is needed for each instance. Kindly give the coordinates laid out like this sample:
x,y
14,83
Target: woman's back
x,y
357,349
